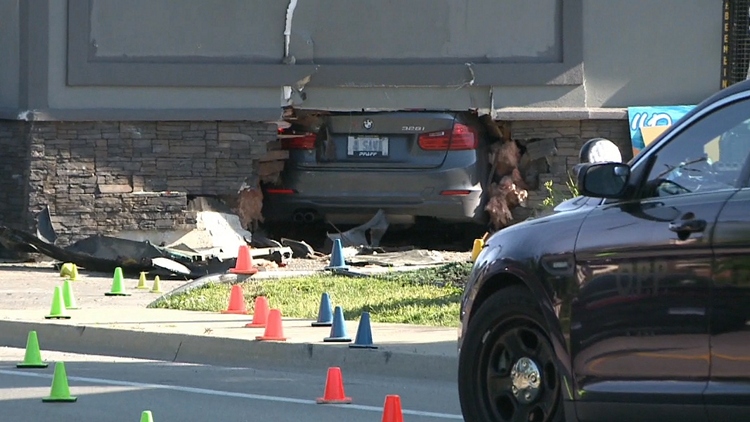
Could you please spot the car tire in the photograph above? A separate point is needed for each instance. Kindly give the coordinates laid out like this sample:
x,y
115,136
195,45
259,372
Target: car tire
x,y
507,365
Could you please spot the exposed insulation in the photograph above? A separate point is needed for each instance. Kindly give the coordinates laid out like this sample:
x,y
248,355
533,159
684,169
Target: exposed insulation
x,y
504,196
505,157
510,191
250,206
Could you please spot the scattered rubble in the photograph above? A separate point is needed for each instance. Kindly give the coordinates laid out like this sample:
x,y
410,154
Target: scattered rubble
x,y
416,257
211,247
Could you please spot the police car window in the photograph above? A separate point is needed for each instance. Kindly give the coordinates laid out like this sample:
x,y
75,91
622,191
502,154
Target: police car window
x,y
705,157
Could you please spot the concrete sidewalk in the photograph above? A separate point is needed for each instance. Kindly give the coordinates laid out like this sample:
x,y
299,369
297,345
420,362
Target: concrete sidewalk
x,y
123,326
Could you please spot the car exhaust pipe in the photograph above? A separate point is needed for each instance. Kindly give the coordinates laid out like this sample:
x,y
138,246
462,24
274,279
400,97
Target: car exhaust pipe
x,y
309,217
298,217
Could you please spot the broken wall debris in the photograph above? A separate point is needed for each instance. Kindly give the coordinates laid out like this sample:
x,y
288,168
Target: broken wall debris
x,y
534,152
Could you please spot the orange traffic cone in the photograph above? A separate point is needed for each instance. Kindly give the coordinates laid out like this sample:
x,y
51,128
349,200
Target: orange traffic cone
x,y
244,263
392,409
274,328
260,313
334,389
236,301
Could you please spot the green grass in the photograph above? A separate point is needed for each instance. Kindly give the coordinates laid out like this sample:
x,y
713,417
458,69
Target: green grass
x,y
426,297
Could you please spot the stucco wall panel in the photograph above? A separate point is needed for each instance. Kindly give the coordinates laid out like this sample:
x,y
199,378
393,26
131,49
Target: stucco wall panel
x,y
249,29
361,43
641,53
246,103
9,46
437,31
552,96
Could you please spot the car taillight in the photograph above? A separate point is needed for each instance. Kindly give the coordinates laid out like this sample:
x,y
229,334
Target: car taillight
x,y
279,191
299,142
455,192
461,138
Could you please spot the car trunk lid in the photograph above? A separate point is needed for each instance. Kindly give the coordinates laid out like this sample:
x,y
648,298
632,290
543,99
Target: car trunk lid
x,y
381,141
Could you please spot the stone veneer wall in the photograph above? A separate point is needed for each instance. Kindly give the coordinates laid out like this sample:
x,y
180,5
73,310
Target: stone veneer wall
x,y
104,177
569,136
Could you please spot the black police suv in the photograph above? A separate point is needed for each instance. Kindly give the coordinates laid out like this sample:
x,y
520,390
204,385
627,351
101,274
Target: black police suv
x,y
633,305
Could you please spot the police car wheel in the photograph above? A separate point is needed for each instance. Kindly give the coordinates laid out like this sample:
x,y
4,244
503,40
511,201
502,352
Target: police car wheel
x,y
507,366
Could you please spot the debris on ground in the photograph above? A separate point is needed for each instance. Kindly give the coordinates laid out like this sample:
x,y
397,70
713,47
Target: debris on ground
x,y
398,259
209,248
300,249
357,236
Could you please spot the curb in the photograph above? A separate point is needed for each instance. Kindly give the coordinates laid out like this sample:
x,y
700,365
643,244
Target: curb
x,y
218,351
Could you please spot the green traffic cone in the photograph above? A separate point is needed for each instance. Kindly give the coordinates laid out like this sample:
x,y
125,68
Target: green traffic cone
x,y
33,357
68,297
74,276
60,391
146,416
118,288
156,288
58,306
142,282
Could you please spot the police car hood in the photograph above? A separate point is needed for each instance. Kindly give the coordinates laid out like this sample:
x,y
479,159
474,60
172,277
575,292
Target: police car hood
x,y
577,203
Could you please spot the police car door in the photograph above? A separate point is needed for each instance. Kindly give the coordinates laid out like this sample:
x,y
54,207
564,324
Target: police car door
x,y
728,394
639,324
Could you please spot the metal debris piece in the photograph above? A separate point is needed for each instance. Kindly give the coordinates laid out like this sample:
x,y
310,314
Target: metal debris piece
x,y
358,235
300,249
398,259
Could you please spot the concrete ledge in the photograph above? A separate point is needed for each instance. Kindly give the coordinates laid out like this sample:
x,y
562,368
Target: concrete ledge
x,y
560,113
220,351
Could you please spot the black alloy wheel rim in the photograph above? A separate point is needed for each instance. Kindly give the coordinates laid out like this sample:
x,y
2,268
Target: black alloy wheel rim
x,y
513,343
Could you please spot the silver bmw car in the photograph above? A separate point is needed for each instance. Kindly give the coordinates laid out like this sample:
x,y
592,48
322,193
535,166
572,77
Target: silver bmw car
x,y
343,168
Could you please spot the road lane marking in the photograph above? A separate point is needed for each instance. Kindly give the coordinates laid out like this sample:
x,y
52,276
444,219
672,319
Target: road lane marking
x,y
233,394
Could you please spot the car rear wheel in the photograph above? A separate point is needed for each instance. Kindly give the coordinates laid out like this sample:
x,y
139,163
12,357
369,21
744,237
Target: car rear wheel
x,y
507,366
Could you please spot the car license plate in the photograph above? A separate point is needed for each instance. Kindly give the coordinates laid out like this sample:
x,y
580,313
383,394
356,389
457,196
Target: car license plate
x,y
367,146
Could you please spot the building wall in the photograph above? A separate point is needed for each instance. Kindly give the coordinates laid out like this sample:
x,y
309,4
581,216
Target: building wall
x,y
10,45
14,172
101,81
244,60
106,177
637,53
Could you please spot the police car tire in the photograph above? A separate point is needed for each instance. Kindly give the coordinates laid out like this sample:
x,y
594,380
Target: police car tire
x,y
513,300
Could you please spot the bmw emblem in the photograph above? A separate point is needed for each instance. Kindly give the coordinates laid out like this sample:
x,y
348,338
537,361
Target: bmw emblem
x,y
367,124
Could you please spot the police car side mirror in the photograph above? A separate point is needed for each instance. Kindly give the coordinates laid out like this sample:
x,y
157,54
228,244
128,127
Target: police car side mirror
x,y
603,180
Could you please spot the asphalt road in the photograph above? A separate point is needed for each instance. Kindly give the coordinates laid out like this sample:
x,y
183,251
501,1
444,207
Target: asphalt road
x,y
119,389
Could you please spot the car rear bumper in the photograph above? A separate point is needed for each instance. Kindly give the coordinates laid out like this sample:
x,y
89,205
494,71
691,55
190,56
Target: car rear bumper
x,y
338,198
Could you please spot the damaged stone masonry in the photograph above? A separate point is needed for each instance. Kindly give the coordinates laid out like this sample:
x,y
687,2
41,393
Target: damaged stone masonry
x,y
110,177
531,153
107,177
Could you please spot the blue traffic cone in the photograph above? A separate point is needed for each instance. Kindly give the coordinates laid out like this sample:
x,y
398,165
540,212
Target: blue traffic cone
x,y
337,257
364,334
325,316
338,329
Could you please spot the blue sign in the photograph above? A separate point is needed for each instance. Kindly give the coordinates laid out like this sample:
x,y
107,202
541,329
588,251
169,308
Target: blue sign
x,y
639,117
